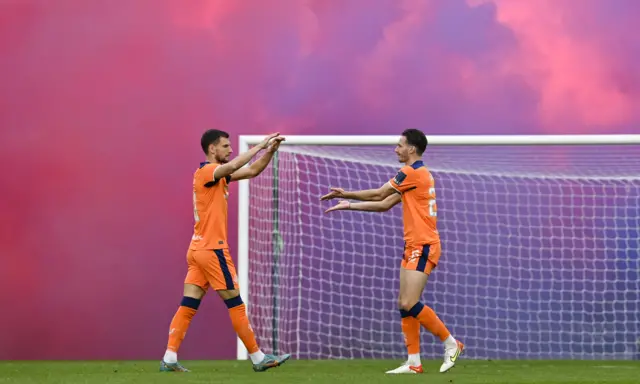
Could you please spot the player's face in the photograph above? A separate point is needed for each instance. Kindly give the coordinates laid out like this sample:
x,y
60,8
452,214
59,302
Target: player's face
x,y
222,150
402,150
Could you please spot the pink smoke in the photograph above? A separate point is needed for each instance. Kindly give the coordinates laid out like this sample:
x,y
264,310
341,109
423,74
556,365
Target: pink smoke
x,y
102,106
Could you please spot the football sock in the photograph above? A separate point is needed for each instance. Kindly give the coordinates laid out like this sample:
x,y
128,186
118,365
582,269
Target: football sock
x,y
170,357
428,319
179,325
240,322
450,343
256,357
411,331
414,360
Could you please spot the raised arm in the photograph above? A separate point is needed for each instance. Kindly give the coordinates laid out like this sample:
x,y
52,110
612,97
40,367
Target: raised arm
x,y
371,206
259,165
365,195
242,159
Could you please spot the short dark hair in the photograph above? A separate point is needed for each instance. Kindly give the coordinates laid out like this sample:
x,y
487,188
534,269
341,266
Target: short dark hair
x,y
416,138
211,137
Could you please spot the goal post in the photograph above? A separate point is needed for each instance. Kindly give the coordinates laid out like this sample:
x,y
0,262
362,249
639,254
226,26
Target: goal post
x,y
540,239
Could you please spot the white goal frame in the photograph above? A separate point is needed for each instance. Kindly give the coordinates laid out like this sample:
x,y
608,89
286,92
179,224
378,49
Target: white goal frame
x,y
245,141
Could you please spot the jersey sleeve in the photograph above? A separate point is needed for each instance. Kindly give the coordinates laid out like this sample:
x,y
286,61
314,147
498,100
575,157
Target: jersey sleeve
x,y
405,180
206,173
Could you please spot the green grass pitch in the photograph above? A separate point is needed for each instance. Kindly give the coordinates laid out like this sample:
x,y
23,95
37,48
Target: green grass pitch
x,y
324,371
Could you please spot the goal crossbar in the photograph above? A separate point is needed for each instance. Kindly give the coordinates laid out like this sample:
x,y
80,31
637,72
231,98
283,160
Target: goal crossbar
x,y
462,140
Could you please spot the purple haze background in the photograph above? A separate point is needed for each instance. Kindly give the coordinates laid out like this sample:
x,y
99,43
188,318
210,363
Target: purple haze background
x,y
102,107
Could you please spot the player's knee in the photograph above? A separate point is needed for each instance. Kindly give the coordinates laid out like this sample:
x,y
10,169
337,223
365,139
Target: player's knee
x,y
231,298
226,294
405,303
194,291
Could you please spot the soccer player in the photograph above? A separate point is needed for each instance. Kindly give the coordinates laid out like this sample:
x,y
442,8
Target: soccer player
x,y
208,259
414,186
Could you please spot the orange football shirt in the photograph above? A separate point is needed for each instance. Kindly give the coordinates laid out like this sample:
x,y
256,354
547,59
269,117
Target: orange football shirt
x,y
209,209
419,210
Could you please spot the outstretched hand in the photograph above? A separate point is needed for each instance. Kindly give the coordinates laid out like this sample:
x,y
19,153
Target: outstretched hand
x,y
267,140
275,144
342,204
335,192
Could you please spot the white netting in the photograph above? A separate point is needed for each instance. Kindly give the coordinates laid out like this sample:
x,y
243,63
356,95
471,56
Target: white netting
x,y
540,253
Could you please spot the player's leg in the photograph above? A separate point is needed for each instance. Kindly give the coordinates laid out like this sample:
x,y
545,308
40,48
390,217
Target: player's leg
x,y
223,278
410,330
179,325
242,326
413,279
195,288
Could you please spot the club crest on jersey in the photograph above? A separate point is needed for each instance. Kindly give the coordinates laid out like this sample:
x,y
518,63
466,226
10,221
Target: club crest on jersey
x,y
400,177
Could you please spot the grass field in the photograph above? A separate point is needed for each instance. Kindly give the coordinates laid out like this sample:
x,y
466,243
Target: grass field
x,y
326,371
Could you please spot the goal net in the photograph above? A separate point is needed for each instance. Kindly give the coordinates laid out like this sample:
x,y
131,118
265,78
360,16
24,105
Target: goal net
x,y
540,252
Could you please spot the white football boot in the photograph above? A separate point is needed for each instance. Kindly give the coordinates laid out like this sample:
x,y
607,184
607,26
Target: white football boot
x,y
407,367
450,357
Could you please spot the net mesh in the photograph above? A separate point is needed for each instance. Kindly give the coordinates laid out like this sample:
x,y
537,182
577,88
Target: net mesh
x,y
540,253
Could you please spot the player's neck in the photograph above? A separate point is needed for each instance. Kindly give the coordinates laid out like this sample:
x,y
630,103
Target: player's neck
x,y
412,159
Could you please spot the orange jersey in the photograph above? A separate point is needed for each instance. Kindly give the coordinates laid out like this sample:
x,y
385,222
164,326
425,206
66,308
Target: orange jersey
x,y
209,209
419,211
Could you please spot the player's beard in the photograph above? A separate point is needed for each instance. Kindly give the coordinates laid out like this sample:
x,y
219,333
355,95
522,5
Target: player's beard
x,y
222,160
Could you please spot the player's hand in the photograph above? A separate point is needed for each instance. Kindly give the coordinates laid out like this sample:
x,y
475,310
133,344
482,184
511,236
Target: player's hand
x,y
335,192
342,204
265,143
275,144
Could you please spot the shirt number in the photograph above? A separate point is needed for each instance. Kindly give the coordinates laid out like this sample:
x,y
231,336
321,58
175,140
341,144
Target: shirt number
x,y
432,203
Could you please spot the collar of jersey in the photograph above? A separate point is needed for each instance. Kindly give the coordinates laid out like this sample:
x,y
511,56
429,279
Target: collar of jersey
x,y
204,163
417,164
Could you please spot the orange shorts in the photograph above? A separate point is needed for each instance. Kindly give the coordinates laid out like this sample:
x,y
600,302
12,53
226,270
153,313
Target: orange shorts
x,y
211,268
423,258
